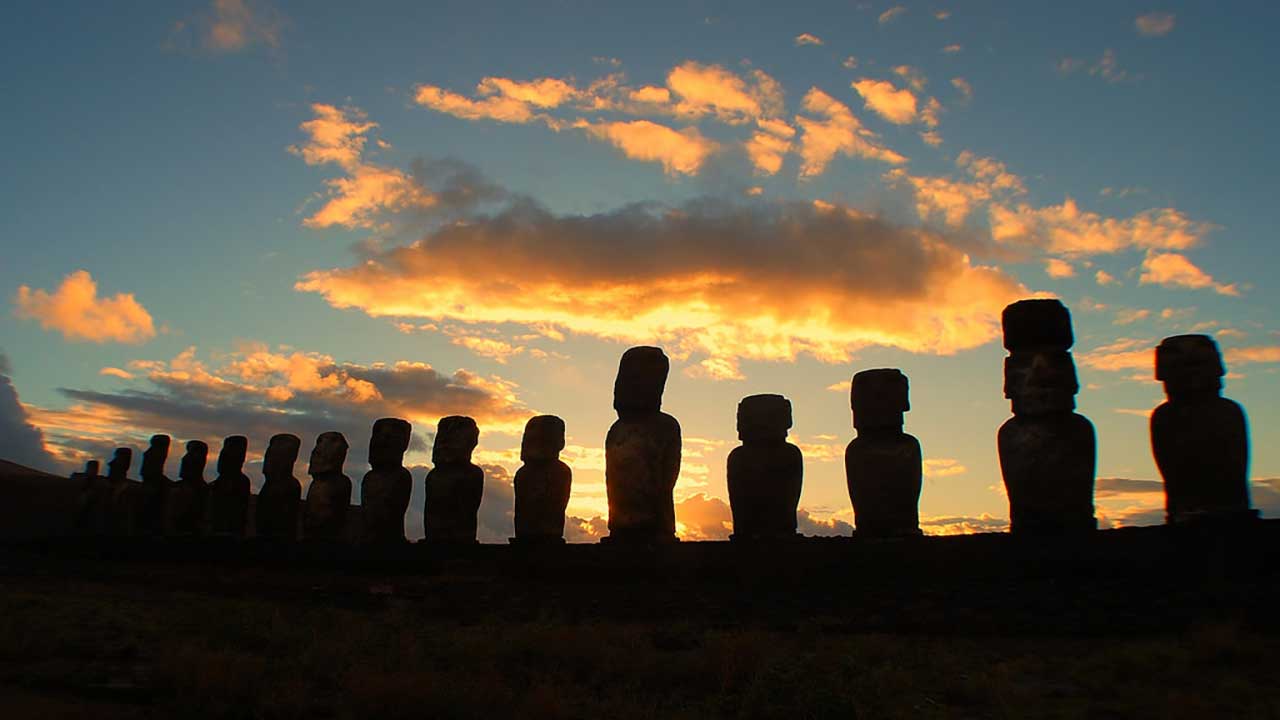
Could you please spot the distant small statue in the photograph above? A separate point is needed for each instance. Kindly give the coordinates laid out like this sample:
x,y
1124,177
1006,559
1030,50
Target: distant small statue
x,y
883,464
329,496
155,486
188,497
1047,451
766,472
1200,439
229,493
125,494
642,452
94,501
454,486
276,514
386,488
543,482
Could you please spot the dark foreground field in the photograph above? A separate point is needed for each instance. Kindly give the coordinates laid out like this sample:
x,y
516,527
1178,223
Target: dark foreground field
x,y
1139,623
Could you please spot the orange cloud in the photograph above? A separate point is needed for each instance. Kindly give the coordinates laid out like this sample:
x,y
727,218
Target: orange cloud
x,y
954,200
962,85
1176,270
808,39
891,14
769,145
75,310
1066,229
896,106
943,467
713,90
681,152
542,92
501,108
116,373
1256,354
228,26
1123,354
1155,24
840,132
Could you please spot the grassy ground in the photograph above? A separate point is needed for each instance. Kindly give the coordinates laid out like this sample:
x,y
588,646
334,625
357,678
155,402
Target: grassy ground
x,y
77,647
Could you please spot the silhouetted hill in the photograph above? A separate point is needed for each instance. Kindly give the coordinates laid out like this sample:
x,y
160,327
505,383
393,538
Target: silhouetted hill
x,y
34,503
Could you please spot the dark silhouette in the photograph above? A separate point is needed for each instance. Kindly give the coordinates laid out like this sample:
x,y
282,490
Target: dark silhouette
x,y
642,451
188,497
385,491
1047,451
325,513
229,493
277,510
883,465
155,486
94,501
543,482
766,472
454,485
123,508
1200,439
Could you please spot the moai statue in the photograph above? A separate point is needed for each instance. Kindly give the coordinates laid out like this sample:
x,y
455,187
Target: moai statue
x,y
642,451
1200,439
883,465
188,496
124,494
1047,451
385,491
454,485
155,486
229,493
93,503
542,483
276,516
766,472
325,513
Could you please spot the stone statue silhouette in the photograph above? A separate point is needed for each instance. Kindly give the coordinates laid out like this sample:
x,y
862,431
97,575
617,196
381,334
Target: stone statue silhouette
x,y
277,510
155,486
329,495
454,486
543,482
1047,451
125,494
766,472
93,502
642,451
1199,438
230,490
188,497
385,490
883,465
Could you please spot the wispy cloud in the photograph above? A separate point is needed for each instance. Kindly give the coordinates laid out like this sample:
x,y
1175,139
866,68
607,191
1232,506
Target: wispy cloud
x,y
1176,270
808,39
1154,24
891,14
75,310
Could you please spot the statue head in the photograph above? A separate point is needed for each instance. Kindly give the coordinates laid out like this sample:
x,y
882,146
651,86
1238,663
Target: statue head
x,y
91,468
1039,324
1041,382
642,376
328,455
118,465
543,438
1189,365
764,418
879,398
456,437
192,467
389,443
282,453
154,457
231,458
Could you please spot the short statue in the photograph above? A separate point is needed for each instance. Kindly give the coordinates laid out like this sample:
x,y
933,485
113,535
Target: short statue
x,y
1200,439
155,486
542,484
125,494
188,496
229,492
642,452
454,485
766,472
93,501
325,514
385,491
276,516
1047,451
883,464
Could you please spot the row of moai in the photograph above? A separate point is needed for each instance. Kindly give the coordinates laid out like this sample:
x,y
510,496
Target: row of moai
x,y
1047,457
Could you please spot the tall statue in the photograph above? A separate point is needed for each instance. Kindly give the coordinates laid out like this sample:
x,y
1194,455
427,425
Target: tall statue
x,y
1047,451
329,496
1200,439
229,493
385,490
155,486
883,464
766,472
276,514
543,482
188,496
642,451
454,486
125,494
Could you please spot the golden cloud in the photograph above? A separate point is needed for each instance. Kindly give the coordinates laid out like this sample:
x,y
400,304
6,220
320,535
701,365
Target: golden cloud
x,y
838,132
1066,229
681,152
1176,270
882,98
75,310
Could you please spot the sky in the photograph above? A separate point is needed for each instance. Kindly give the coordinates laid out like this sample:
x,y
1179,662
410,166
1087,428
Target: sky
x,y
250,217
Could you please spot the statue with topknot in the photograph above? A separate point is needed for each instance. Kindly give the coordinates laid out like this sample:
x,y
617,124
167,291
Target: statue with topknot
x,y
188,496
329,496
642,452
230,490
1199,438
454,486
883,464
155,486
386,488
765,473
542,484
276,514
